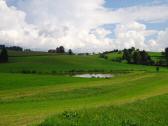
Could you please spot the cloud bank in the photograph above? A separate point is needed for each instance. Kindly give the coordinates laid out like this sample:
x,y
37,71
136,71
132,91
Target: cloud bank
x,y
79,25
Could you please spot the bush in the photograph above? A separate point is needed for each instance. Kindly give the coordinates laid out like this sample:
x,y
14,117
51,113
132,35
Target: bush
x,y
70,115
102,55
4,55
128,123
33,71
53,72
26,71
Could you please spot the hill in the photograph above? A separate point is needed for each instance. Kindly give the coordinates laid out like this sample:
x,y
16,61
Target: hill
x,y
31,98
139,113
59,63
34,88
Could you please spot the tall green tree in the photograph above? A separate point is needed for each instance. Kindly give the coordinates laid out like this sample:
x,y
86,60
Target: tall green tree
x,y
166,55
60,49
127,55
4,55
70,52
145,58
136,57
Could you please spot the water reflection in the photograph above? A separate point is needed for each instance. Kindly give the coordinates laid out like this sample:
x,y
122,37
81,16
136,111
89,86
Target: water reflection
x,y
94,75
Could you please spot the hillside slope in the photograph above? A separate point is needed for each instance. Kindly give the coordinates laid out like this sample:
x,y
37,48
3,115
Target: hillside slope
x,y
26,99
65,63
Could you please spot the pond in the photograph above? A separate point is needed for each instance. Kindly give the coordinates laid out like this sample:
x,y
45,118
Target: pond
x,y
94,75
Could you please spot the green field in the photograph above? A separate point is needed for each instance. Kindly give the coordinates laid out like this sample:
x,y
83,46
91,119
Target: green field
x,y
66,63
150,112
12,53
136,94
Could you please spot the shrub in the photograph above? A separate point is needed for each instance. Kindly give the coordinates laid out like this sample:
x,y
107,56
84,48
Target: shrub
x,y
128,123
53,72
33,71
26,71
102,55
70,115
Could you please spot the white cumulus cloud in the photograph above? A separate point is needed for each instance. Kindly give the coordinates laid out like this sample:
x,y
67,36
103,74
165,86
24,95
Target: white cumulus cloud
x,y
76,24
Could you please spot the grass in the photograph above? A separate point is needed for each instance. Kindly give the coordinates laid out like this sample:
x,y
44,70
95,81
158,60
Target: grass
x,y
65,64
12,53
40,96
156,56
20,81
150,112
47,90
114,55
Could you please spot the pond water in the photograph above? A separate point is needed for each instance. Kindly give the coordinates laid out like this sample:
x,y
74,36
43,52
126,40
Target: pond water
x,y
94,75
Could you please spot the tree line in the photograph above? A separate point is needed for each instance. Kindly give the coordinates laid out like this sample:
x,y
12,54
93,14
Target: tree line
x,y
13,48
3,55
60,49
135,56
164,60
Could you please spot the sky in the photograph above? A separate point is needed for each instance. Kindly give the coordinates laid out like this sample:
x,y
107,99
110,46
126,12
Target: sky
x,y
84,25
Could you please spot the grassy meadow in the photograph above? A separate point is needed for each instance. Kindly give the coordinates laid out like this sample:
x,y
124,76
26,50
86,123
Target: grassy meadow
x,y
150,112
47,95
66,63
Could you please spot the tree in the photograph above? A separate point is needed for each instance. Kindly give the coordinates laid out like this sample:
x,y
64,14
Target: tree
x,y
133,49
27,50
60,49
57,50
127,55
124,54
157,68
136,57
15,48
70,52
166,55
2,46
51,51
102,55
4,55
145,58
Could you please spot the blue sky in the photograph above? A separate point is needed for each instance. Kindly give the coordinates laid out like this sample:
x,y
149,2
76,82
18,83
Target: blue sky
x,y
116,4
127,3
